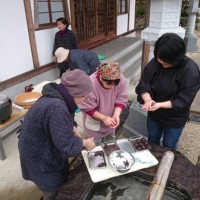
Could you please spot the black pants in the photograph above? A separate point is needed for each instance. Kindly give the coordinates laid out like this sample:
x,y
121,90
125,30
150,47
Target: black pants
x,y
63,67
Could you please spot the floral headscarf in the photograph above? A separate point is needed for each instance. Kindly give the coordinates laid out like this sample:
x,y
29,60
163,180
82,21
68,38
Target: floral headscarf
x,y
109,71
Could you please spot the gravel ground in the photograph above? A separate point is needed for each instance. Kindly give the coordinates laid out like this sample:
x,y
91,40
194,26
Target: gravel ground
x,y
189,142
190,139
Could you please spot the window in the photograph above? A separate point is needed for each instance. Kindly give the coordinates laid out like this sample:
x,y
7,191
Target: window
x,y
122,6
94,20
47,11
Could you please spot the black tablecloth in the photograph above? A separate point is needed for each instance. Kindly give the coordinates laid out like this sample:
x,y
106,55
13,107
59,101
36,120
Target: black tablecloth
x,y
184,177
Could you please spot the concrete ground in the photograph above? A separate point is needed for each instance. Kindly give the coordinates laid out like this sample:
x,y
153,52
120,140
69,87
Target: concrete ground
x,y
190,139
195,55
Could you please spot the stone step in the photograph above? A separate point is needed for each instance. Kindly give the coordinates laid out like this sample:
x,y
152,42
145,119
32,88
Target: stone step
x,y
117,48
125,50
131,63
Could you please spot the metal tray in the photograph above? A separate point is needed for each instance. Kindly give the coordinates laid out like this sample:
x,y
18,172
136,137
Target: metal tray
x,y
96,159
125,145
109,147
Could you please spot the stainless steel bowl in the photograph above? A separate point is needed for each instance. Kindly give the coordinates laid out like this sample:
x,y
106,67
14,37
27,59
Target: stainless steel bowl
x,y
122,161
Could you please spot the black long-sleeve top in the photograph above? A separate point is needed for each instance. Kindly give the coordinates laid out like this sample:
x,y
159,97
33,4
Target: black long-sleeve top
x,y
179,84
66,39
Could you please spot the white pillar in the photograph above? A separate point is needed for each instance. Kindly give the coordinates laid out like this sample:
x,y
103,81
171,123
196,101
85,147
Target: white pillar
x,y
190,36
164,18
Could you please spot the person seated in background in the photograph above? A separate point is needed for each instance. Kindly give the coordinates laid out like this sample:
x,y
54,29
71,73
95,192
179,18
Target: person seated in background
x,y
83,59
167,89
64,38
103,106
49,135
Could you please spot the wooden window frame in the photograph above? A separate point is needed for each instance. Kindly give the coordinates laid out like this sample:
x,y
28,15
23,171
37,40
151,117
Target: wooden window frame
x,y
51,24
120,7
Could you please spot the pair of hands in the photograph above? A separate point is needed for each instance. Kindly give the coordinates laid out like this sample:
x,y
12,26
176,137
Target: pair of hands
x,y
151,105
112,122
87,143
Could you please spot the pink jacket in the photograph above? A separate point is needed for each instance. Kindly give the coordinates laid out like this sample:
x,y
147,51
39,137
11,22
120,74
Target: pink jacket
x,y
104,101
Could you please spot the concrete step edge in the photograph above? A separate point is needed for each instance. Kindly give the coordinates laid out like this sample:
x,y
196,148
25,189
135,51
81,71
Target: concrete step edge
x,y
131,61
125,51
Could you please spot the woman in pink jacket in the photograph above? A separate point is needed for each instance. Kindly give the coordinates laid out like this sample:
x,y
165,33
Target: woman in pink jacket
x,y
103,106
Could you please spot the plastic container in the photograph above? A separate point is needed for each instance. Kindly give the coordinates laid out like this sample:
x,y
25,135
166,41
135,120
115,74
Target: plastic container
x,y
101,57
78,110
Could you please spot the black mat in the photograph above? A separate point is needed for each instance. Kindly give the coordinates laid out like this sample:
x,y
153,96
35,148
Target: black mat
x,y
183,181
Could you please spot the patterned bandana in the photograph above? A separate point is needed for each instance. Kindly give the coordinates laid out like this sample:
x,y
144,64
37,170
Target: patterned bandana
x,y
109,71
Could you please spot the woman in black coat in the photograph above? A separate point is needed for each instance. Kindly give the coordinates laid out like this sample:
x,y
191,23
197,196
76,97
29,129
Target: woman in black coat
x,y
167,89
64,38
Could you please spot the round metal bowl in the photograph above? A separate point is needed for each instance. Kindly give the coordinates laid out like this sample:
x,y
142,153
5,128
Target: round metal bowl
x,y
122,161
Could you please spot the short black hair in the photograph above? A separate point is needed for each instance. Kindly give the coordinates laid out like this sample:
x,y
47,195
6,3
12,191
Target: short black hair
x,y
111,82
63,20
170,48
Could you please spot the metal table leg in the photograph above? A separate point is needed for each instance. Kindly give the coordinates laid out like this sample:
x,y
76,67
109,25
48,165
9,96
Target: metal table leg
x,y
2,152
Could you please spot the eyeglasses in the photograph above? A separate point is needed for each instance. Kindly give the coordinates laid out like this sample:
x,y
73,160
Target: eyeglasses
x,y
111,82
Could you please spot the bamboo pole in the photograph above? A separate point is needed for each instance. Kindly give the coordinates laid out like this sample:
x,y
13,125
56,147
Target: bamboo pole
x,y
157,187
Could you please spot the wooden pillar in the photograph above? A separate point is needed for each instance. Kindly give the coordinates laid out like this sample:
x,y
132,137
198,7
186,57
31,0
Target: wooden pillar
x,y
159,182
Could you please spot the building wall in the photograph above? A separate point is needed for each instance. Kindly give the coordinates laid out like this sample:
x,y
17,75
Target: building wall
x,y
15,51
126,22
44,42
122,24
132,15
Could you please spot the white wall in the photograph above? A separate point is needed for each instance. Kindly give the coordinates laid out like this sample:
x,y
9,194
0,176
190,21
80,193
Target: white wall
x,y
15,51
122,24
132,15
44,43
122,20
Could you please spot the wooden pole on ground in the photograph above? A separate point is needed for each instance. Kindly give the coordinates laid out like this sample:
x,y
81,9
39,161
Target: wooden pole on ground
x,y
159,182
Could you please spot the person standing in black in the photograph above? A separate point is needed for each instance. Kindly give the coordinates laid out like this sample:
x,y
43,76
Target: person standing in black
x,y
167,88
64,38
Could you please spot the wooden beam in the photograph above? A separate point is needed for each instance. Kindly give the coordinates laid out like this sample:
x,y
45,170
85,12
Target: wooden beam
x,y
66,11
31,32
159,182
147,13
128,11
